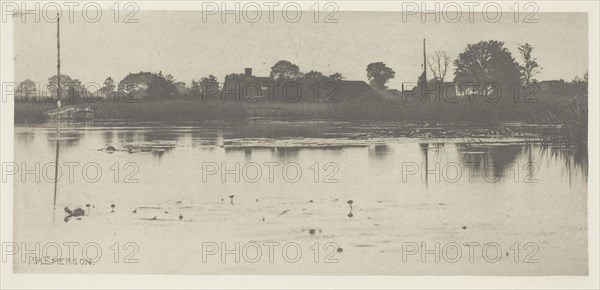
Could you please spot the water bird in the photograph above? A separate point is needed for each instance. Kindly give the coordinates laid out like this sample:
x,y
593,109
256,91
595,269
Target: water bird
x,y
464,227
339,250
350,202
73,213
134,211
153,219
231,197
311,231
180,217
110,149
112,206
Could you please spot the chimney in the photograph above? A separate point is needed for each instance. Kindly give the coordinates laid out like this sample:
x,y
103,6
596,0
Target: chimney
x,y
248,72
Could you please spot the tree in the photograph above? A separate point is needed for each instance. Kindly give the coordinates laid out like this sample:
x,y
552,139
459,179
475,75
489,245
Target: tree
x,y
161,86
210,80
195,87
108,87
336,76
70,89
109,84
379,74
285,71
315,75
579,85
487,63
147,84
438,64
210,83
26,89
530,67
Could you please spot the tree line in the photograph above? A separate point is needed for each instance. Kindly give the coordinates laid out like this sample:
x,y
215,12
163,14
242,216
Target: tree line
x,y
483,62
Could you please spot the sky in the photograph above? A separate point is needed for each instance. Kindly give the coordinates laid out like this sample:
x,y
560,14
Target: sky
x,y
181,44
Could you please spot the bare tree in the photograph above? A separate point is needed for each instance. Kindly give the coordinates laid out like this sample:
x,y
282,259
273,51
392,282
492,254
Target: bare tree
x,y
438,64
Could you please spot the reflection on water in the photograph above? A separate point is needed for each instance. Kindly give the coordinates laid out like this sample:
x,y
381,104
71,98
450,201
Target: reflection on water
x,y
400,187
379,150
66,139
246,136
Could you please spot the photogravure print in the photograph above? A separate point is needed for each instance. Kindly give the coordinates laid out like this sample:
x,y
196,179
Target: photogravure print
x,y
298,138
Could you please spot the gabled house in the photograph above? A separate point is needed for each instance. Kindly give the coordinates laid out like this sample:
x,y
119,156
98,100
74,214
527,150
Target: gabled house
x,y
247,86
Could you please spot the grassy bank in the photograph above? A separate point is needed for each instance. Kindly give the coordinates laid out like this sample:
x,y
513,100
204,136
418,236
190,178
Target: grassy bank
x,y
551,111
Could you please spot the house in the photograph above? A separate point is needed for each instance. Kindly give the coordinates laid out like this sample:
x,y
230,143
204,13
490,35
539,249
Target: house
x,y
249,88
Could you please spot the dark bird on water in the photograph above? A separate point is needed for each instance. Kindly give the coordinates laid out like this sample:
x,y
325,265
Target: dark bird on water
x,y
180,217
110,149
350,202
154,218
134,211
231,197
73,213
112,206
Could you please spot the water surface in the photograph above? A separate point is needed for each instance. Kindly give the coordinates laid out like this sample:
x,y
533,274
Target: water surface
x,y
297,176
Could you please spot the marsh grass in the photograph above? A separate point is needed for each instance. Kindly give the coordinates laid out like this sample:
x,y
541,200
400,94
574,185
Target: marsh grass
x,y
570,112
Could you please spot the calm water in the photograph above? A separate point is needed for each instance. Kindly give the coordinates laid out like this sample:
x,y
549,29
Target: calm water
x,y
294,182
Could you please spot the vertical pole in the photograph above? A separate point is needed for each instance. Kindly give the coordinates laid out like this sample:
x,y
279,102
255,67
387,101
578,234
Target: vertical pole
x,y
55,176
57,127
58,92
424,63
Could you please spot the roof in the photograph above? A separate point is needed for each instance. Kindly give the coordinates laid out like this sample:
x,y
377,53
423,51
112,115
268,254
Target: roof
x,y
353,89
242,79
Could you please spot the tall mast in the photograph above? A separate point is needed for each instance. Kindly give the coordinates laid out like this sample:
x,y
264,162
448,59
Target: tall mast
x,y
58,92
57,128
424,62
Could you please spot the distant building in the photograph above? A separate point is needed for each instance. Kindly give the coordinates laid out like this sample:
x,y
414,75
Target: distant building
x,y
246,86
353,90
